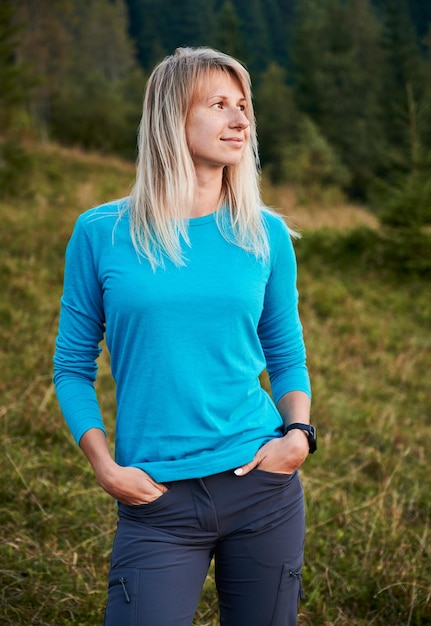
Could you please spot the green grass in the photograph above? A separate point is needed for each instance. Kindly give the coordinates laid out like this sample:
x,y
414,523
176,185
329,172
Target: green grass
x,y
367,559
369,344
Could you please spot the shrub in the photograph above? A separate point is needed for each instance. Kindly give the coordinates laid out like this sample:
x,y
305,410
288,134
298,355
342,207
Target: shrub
x,y
405,214
15,167
313,165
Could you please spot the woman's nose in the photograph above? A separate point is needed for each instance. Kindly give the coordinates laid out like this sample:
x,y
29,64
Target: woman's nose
x,y
239,120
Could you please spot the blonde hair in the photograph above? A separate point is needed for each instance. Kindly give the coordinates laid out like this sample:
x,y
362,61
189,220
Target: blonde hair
x,y
165,182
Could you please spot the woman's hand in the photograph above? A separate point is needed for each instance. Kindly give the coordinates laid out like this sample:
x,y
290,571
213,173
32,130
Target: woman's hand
x,y
285,454
282,455
130,485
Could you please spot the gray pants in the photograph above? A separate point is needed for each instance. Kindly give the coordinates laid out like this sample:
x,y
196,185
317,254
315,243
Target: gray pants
x,y
253,526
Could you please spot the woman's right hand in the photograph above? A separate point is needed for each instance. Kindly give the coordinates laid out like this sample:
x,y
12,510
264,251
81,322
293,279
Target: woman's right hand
x,y
129,485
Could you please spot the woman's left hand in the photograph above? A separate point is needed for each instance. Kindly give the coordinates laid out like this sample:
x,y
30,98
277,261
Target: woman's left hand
x,y
282,455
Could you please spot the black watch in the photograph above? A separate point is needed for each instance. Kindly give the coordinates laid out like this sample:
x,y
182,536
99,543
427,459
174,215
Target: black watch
x,y
311,434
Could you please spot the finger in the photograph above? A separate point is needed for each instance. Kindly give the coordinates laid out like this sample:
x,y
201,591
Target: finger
x,y
160,488
147,479
245,469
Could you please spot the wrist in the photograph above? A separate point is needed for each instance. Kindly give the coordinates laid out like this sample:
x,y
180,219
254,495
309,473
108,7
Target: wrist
x,y
297,432
308,430
95,447
105,471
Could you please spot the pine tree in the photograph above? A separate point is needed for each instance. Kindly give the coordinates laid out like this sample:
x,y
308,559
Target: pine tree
x,y
404,82
81,59
337,71
11,74
278,18
98,108
148,27
229,38
104,46
277,120
255,32
188,22
45,48
404,199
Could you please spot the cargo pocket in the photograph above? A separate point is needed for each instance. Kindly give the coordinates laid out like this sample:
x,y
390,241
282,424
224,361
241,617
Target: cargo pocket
x,y
290,592
122,607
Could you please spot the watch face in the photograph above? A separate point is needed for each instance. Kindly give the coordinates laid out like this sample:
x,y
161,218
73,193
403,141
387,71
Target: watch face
x,y
311,433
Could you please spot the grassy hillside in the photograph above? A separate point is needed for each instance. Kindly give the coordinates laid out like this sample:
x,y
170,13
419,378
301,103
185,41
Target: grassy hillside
x,y
368,558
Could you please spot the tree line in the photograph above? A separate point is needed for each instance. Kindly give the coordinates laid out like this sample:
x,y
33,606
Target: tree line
x,y
341,87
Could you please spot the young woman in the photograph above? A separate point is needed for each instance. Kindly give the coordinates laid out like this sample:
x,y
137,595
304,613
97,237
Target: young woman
x,y
194,284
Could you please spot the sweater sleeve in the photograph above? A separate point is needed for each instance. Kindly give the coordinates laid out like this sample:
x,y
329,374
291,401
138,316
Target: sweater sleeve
x,y
280,329
80,331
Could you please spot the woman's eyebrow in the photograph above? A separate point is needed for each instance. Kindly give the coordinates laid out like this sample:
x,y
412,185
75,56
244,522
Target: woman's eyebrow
x,y
222,97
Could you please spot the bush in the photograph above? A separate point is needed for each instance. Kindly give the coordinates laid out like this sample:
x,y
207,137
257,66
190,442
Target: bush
x,y
405,214
313,165
98,114
15,167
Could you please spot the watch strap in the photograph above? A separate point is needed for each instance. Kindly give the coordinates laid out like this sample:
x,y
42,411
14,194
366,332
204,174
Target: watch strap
x,y
307,428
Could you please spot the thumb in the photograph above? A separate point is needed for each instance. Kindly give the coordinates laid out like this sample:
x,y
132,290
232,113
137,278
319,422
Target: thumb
x,y
245,469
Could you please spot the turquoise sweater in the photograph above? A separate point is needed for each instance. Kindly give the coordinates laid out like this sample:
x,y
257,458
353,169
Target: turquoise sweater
x,y
187,344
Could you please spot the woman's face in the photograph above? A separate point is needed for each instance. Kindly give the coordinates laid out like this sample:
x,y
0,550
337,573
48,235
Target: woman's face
x,y
217,128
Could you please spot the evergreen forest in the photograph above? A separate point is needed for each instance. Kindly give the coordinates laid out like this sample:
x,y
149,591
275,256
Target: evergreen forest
x,y
342,87
342,90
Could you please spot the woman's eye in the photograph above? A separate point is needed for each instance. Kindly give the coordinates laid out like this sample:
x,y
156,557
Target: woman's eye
x,y
221,105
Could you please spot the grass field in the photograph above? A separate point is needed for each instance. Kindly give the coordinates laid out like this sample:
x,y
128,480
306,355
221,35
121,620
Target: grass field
x,y
368,489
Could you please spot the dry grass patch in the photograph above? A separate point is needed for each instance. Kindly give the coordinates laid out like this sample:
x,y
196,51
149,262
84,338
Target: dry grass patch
x,y
336,215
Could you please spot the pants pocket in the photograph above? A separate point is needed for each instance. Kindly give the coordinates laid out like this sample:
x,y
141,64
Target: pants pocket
x,y
290,592
275,476
122,598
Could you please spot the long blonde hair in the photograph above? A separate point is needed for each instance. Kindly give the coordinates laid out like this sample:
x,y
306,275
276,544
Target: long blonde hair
x,y
165,179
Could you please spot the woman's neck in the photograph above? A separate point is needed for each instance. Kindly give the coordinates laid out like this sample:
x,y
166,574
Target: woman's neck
x,y
207,196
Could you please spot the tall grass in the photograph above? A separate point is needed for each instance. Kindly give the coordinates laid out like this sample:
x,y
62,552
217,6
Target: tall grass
x,y
368,558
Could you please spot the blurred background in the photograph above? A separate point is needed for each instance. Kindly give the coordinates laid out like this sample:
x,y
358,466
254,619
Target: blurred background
x,y
342,88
